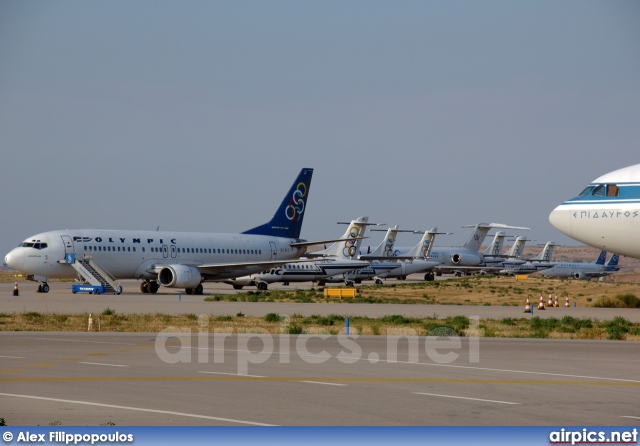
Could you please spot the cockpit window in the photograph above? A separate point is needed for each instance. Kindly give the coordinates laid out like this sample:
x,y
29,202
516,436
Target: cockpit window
x,y
586,191
598,191
36,245
613,190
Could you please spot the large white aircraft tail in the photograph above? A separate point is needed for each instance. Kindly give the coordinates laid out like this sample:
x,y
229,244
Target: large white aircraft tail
x,y
495,249
545,255
423,248
482,229
385,248
349,248
518,247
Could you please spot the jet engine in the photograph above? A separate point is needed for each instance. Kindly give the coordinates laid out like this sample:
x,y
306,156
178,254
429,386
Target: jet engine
x,y
579,276
181,276
465,260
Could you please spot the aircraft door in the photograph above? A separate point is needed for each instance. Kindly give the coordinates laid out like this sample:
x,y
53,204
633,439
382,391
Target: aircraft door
x,y
173,251
274,251
68,244
165,251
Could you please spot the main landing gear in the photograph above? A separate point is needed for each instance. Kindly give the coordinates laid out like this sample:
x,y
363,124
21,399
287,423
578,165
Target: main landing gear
x,y
43,287
197,290
149,286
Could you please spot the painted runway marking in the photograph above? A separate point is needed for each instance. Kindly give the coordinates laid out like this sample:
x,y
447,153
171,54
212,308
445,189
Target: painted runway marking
x,y
320,382
102,363
13,357
520,371
139,409
465,398
627,416
234,374
85,342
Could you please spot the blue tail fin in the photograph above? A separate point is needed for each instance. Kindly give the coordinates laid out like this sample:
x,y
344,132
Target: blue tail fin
x,y
287,221
613,263
601,258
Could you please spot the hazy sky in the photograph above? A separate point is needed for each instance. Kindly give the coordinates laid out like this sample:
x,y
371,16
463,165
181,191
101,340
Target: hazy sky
x,y
198,115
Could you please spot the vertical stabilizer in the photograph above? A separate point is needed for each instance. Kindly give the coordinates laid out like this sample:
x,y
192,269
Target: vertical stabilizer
x,y
423,248
601,258
482,229
287,221
547,251
385,248
518,247
349,248
612,264
495,248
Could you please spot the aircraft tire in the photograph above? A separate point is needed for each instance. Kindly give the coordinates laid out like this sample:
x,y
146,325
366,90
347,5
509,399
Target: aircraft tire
x,y
198,290
237,287
188,291
378,281
153,287
262,286
144,287
45,288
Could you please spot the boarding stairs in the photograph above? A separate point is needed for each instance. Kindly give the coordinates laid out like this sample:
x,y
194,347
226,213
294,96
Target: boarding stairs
x,y
89,270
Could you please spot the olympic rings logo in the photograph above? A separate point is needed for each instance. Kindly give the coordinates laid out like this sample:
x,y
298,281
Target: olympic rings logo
x,y
388,247
296,205
349,249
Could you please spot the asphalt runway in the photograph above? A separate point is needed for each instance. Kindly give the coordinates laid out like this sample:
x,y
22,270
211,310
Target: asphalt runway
x,y
135,379
173,301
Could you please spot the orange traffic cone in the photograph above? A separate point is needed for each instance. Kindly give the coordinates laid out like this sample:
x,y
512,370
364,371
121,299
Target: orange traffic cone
x,y
550,301
16,292
541,304
566,302
527,307
555,302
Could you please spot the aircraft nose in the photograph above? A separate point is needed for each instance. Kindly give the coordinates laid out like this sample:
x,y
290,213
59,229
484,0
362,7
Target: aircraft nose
x,y
560,218
14,259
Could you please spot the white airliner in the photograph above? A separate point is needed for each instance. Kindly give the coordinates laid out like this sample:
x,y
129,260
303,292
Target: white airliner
x,y
163,258
416,260
541,262
580,270
451,259
337,259
606,214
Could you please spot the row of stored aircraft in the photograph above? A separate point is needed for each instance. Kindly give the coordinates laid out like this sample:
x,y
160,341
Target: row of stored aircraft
x,y
259,256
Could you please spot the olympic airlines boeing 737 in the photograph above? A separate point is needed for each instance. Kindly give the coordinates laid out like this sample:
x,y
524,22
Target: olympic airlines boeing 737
x,y
606,214
170,259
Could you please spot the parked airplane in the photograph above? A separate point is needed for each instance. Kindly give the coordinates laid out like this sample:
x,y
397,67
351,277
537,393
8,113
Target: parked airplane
x,y
580,270
339,258
451,259
606,214
541,262
417,261
170,259
495,261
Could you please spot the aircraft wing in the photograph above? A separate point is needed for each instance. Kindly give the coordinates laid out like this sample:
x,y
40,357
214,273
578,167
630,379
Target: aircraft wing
x,y
220,268
322,242
370,257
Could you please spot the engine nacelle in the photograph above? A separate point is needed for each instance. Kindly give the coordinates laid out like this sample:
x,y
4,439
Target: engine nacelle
x,y
465,260
181,276
579,275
